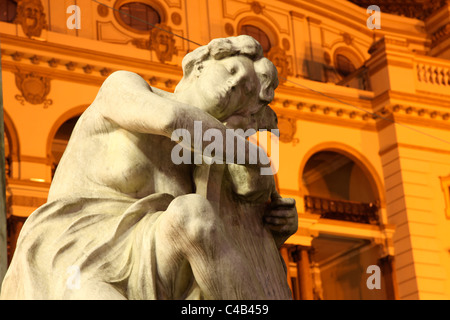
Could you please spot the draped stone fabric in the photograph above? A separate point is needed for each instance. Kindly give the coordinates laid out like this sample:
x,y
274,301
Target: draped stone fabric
x,y
58,237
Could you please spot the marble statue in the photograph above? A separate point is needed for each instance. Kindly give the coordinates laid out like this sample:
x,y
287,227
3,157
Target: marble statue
x,y
123,221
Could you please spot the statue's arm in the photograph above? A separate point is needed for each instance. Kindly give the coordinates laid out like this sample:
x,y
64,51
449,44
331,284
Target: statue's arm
x,y
126,99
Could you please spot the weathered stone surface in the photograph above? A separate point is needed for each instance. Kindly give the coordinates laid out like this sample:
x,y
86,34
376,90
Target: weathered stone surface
x,y
123,221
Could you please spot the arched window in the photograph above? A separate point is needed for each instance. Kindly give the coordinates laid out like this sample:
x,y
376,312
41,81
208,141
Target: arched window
x,y
343,65
139,16
338,188
259,36
60,141
8,9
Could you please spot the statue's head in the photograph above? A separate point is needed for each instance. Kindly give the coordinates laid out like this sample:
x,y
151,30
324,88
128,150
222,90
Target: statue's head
x,y
230,79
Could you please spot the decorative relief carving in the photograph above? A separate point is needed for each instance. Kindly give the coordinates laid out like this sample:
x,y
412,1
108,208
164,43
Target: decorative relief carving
x,y
169,83
88,69
440,34
419,112
53,63
162,42
336,113
418,9
31,16
43,82
229,29
35,59
282,61
347,38
34,88
102,10
176,18
17,56
71,66
105,72
256,7
288,128
286,44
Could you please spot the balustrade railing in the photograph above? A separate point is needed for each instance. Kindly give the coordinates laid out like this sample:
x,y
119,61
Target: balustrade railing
x,y
343,210
433,74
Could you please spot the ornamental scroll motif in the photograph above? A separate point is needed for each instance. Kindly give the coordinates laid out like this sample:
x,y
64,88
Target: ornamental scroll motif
x,y
34,88
282,61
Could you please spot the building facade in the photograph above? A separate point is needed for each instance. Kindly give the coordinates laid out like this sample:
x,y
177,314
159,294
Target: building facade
x,y
363,107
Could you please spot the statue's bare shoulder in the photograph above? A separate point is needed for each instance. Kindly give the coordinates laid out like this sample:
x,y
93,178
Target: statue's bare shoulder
x,y
120,160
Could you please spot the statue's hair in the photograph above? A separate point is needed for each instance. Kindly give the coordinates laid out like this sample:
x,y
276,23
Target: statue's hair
x,y
221,48
234,46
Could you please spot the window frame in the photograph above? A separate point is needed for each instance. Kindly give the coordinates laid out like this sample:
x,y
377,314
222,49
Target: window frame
x,y
264,25
153,4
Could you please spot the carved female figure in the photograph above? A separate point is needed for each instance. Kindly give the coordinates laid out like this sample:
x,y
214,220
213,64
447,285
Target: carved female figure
x,y
135,224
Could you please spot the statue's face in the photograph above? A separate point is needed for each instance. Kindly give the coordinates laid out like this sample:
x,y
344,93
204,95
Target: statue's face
x,y
259,115
226,86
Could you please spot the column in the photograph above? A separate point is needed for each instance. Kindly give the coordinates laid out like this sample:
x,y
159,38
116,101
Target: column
x,y
301,257
387,265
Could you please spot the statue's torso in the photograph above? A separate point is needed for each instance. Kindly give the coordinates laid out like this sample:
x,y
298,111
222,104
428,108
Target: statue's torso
x,y
103,159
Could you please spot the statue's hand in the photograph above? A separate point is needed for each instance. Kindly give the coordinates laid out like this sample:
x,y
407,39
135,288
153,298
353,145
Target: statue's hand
x,y
281,218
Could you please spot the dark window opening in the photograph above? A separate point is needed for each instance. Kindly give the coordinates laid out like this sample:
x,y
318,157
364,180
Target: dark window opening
x,y
259,36
344,66
139,16
8,10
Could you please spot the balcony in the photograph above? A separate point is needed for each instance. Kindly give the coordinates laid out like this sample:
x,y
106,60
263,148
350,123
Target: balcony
x,y
343,210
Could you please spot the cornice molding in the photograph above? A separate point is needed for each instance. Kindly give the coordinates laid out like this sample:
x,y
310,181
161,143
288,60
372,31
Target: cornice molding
x,y
340,116
410,115
12,183
82,54
92,73
440,101
399,145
